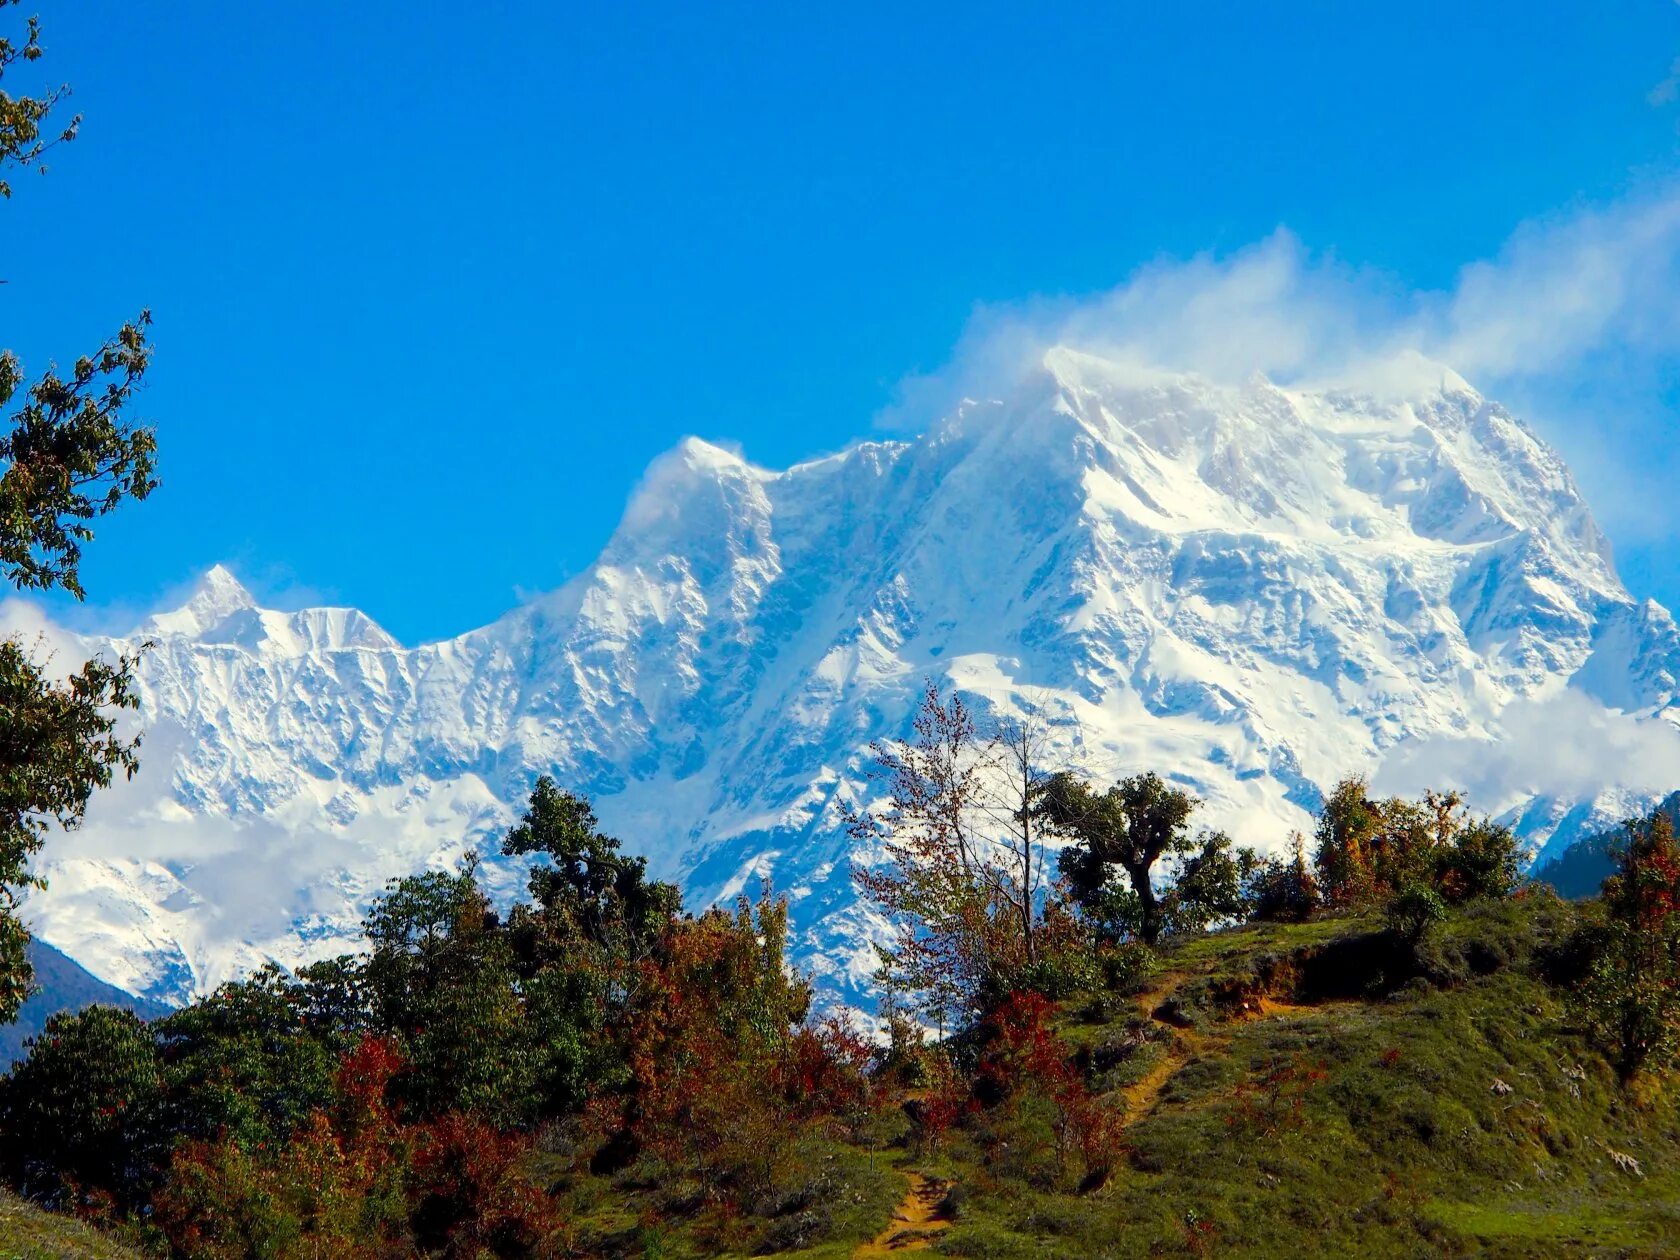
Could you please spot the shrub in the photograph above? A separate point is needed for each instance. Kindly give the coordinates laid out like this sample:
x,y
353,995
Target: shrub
x,y
1484,860
470,1197
1275,1101
825,1071
1283,891
1025,1063
1127,967
1413,910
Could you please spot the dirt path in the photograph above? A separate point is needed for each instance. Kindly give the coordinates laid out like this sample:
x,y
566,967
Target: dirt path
x,y
1143,1095
916,1222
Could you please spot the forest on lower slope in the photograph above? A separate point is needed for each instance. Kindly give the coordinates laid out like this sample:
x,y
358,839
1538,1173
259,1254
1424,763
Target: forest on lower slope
x,y
1103,1032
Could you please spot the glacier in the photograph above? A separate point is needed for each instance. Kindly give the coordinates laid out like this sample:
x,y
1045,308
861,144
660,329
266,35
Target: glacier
x,y
1254,588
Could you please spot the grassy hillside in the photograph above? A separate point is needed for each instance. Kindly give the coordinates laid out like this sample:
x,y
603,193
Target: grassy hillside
x,y
1284,1089
26,1233
1305,1088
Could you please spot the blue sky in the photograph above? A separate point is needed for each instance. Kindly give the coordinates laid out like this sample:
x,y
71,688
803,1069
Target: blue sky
x,y
433,284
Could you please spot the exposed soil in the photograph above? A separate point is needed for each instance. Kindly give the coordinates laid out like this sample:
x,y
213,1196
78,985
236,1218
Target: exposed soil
x,y
916,1222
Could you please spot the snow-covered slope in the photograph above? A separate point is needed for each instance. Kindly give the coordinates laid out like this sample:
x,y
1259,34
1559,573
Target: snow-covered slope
x,y
1256,589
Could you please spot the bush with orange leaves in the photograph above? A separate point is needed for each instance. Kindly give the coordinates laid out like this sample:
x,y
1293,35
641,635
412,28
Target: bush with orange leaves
x,y
711,1032
469,1196
825,1071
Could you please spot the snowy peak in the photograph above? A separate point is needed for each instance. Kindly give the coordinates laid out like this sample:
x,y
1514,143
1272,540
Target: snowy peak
x,y
217,596
220,610
1256,587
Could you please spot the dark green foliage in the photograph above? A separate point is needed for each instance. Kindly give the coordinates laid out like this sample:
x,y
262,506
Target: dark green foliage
x,y
1283,890
70,458
248,1062
1127,828
441,979
84,1110
1208,885
1482,859
1413,911
603,894
58,742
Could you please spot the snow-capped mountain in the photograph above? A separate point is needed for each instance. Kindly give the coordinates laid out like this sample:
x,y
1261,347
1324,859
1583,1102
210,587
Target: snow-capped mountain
x,y
1255,589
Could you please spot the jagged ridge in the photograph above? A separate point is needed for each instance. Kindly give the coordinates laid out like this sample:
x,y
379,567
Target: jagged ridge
x,y
1255,588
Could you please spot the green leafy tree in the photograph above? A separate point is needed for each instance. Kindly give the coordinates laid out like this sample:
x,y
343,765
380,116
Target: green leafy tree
x,y
84,1111
1344,855
24,134
441,979
1208,884
1129,828
248,1062
1283,890
1485,859
596,916
1631,993
1368,849
68,456
602,895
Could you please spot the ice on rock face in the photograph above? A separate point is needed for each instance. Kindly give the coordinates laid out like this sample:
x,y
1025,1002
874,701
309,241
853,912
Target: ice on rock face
x,y
1255,587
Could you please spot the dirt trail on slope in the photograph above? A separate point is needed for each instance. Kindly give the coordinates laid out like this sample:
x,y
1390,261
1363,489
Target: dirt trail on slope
x,y
916,1222
1144,1095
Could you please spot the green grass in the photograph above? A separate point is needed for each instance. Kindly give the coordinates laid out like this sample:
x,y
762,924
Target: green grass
x,y
827,1198
27,1233
1404,1141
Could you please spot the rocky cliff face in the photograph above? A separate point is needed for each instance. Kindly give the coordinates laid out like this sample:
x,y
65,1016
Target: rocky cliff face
x,y
1256,589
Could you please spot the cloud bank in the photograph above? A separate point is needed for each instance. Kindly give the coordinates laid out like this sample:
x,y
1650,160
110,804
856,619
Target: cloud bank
x,y
1562,746
1559,290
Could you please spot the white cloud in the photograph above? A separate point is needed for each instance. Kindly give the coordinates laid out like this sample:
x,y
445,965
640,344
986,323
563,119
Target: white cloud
x,y
1563,288
1573,322
1568,745
1666,92
1560,289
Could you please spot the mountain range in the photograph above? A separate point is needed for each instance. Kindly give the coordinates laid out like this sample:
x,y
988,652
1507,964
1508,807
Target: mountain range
x,y
1249,587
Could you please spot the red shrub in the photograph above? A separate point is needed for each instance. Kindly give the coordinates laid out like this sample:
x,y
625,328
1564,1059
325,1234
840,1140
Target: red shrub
x,y
825,1071
1025,1055
470,1196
